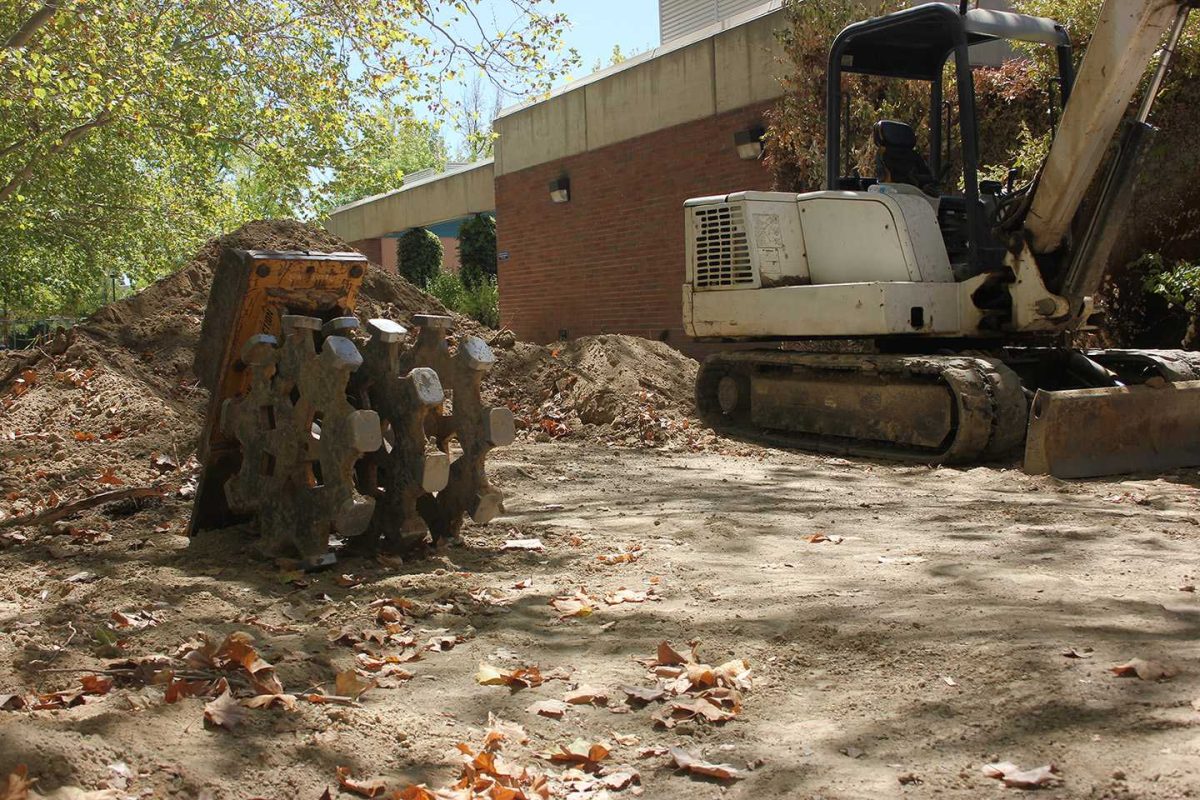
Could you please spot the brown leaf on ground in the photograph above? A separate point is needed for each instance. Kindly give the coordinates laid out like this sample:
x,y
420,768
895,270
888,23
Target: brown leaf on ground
x,y
522,544
1016,778
179,689
619,778
12,702
96,684
587,755
347,683
586,694
668,656
701,708
330,699
577,605
490,596
554,709
16,785
347,581
623,595
224,712
1146,670
500,730
285,701
109,477
372,788
414,792
134,619
652,752
623,557
644,694
1071,652
817,538
525,584
696,766
237,650
520,678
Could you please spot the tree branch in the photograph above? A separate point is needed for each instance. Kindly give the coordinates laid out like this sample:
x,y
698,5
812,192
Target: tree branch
x,y
33,24
70,137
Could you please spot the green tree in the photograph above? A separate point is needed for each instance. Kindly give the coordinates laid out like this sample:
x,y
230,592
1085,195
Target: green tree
x,y
419,253
388,145
477,250
131,130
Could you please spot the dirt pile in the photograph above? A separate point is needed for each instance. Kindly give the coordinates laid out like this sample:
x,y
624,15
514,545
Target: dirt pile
x,y
622,390
119,392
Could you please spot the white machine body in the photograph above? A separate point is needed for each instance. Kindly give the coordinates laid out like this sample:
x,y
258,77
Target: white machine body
x,y
830,263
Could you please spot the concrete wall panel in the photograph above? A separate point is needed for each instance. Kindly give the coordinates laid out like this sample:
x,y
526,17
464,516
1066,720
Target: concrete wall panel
x,y
747,64
674,88
554,128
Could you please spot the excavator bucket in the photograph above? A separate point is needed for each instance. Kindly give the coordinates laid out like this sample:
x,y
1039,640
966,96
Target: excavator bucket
x,y
1082,433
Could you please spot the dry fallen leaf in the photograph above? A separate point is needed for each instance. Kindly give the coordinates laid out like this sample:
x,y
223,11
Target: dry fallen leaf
x,y
1146,670
586,694
285,701
224,711
1016,778
696,766
549,708
623,595
347,683
520,678
522,544
16,785
364,788
644,694
1071,652
109,477
525,584
587,755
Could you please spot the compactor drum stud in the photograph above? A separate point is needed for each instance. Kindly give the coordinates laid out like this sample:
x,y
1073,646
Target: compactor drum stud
x,y
333,433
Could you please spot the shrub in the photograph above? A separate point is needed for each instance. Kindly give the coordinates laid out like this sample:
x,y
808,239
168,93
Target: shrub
x,y
480,302
477,250
419,253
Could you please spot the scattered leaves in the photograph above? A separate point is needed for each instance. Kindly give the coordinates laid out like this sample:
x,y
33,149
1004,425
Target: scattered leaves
x,y
587,695
519,678
522,544
347,683
587,755
224,712
696,766
372,788
1016,778
554,709
1146,670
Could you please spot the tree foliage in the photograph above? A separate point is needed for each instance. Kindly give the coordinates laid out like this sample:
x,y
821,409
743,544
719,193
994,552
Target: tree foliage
x,y
419,253
130,130
477,250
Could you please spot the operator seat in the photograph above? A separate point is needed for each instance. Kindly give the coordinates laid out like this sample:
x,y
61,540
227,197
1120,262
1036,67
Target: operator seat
x,y
897,159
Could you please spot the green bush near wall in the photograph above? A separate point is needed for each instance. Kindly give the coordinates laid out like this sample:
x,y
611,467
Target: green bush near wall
x,y
477,250
420,254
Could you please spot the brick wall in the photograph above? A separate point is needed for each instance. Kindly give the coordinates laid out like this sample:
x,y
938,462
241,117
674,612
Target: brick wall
x,y
383,252
379,251
612,259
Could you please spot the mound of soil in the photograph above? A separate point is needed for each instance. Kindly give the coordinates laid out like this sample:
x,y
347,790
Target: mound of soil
x,y
618,389
105,405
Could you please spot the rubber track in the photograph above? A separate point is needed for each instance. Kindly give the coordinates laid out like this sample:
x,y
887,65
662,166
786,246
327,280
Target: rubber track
x,y
990,407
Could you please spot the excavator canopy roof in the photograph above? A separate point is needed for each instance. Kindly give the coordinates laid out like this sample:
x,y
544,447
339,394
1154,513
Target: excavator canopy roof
x,y
915,43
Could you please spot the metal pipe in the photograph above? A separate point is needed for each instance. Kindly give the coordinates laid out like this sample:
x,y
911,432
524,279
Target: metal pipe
x,y
1164,63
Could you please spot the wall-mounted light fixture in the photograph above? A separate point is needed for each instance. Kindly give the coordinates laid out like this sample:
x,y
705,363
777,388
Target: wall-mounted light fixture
x,y
560,189
749,142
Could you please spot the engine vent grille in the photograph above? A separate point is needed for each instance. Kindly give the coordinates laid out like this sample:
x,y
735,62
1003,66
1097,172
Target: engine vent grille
x,y
722,250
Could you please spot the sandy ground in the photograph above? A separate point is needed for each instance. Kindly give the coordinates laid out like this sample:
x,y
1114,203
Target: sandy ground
x,y
926,643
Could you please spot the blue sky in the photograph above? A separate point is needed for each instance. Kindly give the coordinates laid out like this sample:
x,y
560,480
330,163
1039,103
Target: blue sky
x,y
596,25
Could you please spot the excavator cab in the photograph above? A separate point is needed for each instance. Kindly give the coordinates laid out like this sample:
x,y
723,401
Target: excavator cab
x,y
964,295
917,44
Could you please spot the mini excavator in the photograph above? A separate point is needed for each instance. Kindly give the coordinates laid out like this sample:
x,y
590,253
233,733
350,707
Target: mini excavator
x,y
321,429
969,299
